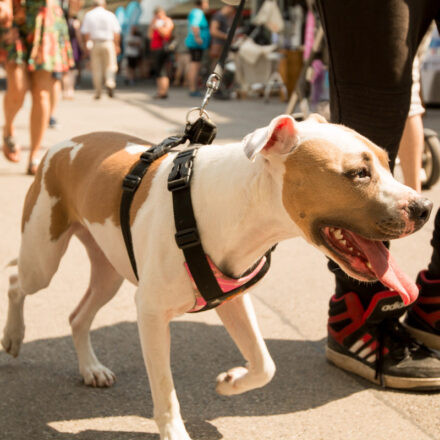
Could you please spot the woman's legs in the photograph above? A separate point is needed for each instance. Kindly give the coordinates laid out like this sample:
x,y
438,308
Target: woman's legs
x,y
41,85
163,83
193,75
410,151
55,94
17,84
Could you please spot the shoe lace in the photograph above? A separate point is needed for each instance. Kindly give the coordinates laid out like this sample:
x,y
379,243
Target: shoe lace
x,y
391,334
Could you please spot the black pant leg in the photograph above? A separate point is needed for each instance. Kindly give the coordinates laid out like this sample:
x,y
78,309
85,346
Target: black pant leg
x,y
372,44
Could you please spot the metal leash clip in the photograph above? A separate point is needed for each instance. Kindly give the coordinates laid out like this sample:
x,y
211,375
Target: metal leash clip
x,y
203,130
212,85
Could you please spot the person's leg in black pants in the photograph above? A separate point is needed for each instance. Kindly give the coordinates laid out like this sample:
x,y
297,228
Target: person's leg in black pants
x,y
372,44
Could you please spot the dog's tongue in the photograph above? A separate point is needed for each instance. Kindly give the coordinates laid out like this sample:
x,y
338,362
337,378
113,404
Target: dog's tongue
x,y
386,269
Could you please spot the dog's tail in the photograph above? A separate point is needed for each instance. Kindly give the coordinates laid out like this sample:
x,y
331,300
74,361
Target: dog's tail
x,y
13,262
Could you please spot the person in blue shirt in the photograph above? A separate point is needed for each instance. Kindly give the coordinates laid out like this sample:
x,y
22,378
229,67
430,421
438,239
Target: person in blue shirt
x,y
197,41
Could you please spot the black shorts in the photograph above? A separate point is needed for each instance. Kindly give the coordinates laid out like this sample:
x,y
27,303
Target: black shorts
x,y
133,62
160,58
196,55
58,76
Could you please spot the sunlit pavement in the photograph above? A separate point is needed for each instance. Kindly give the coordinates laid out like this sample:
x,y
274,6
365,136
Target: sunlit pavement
x,y
41,395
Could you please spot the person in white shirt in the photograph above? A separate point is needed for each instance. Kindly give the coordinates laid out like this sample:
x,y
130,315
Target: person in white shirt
x,y
101,31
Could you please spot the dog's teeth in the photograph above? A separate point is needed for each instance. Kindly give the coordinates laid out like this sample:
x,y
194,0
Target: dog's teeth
x,y
350,249
344,242
368,264
338,234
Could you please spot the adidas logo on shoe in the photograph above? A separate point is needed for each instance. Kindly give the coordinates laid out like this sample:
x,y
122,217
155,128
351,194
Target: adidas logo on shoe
x,y
372,343
395,306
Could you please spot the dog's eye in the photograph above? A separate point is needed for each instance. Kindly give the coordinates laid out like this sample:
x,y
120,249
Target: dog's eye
x,y
360,174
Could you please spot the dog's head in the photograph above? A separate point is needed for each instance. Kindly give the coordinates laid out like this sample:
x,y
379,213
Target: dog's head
x,y
338,189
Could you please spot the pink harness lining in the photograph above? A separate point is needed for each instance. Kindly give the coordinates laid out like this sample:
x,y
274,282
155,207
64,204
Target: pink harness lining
x,y
226,283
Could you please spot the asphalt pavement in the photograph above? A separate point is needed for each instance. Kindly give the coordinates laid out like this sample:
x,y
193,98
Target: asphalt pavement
x,y
41,394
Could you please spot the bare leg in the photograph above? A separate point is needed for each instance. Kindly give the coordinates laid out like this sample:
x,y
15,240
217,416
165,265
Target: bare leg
x,y
193,75
154,333
163,83
69,84
238,316
410,151
55,93
17,84
41,86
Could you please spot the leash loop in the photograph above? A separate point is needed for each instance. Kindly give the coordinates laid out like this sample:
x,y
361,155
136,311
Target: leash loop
x,y
202,113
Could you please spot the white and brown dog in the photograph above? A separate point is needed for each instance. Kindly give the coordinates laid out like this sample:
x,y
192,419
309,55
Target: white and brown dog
x,y
313,179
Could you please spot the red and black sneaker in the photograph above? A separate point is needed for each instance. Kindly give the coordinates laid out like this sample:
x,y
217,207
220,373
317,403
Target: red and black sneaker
x,y
423,317
373,344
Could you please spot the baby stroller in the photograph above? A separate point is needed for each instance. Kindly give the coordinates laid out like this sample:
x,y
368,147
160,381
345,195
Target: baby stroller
x,y
257,61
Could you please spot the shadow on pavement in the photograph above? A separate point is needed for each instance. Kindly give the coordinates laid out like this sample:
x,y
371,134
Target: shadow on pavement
x,y
43,386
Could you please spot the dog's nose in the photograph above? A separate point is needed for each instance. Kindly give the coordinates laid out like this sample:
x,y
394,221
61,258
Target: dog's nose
x,y
420,209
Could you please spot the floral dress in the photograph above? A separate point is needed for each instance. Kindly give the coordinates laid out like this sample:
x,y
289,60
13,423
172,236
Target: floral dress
x,y
43,40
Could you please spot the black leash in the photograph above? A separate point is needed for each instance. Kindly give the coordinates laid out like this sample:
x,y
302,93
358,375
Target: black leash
x,y
214,80
201,131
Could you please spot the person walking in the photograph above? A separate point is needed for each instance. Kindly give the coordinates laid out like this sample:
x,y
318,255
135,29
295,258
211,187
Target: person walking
x,y
197,41
372,45
35,47
101,30
132,51
159,34
220,23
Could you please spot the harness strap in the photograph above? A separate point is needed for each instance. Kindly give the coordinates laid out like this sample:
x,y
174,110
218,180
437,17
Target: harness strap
x,y
188,239
187,235
131,183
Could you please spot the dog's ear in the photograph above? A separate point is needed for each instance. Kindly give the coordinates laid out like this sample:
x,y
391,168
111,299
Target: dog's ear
x,y
279,137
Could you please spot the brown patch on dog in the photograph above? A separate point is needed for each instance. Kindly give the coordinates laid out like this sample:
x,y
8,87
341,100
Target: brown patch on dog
x,y
381,154
31,198
316,187
90,187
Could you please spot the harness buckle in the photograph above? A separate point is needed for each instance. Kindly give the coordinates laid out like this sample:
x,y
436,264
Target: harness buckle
x,y
131,182
153,153
149,156
187,238
181,173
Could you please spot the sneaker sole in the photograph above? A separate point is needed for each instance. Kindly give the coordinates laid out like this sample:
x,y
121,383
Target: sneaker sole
x,y
430,340
347,363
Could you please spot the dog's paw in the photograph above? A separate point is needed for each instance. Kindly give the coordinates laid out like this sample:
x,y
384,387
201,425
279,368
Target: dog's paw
x,y
228,382
174,430
12,340
98,376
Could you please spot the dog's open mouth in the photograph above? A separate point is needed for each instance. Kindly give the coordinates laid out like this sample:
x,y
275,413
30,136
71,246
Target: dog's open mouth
x,y
368,260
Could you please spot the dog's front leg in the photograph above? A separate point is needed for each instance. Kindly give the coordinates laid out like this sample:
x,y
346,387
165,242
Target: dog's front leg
x,y
154,334
239,318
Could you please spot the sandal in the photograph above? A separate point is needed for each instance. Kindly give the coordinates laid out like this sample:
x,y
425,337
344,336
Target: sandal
x,y
10,149
157,96
32,167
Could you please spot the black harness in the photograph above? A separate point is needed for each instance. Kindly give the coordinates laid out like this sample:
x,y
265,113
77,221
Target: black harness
x,y
187,236
202,131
